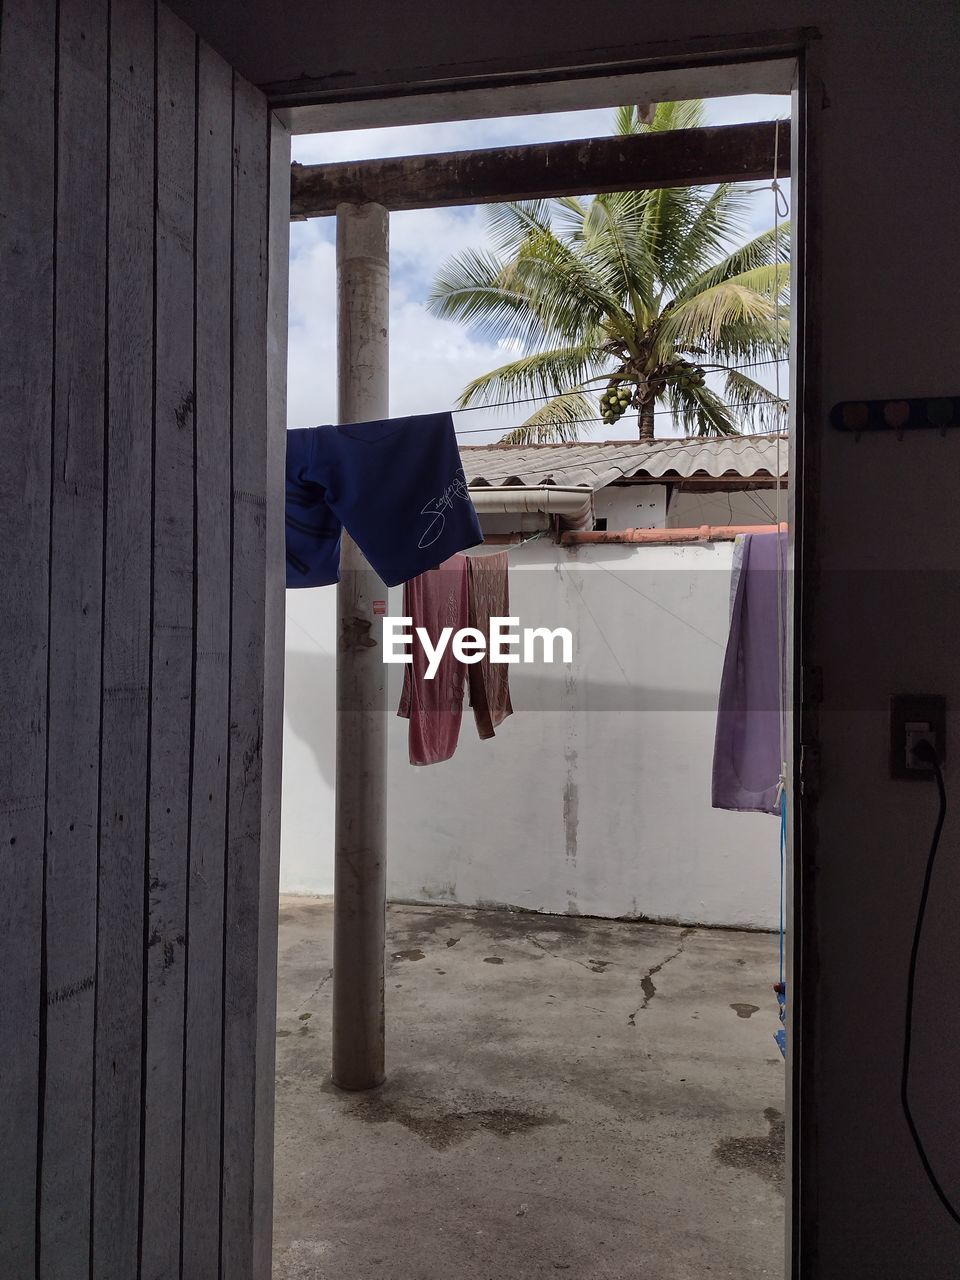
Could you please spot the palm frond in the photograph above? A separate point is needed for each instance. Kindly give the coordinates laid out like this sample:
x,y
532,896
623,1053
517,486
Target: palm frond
x,y
565,289
616,246
693,230
700,411
569,214
687,114
753,404
750,342
731,309
626,121
768,249
545,373
557,421
513,222
475,288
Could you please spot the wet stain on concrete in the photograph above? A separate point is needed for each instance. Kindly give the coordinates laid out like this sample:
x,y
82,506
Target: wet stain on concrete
x,y
418,927
415,954
744,1010
762,1156
501,923
441,1128
492,960
305,1017
282,1034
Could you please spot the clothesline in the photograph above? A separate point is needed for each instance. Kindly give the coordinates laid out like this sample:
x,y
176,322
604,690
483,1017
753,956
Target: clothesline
x,y
606,378
604,381
490,548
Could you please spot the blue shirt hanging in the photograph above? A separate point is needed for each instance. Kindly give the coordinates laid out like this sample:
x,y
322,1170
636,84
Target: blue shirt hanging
x,y
396,486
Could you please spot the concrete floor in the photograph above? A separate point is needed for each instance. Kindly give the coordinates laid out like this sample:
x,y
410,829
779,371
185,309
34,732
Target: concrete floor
x,y
565,1097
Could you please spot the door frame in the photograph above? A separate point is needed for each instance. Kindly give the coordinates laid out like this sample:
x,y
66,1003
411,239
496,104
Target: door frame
x,y
773,62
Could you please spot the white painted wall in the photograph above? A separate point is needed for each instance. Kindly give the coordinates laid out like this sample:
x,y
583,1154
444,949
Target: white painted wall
x,y
632,506
735,506
594,797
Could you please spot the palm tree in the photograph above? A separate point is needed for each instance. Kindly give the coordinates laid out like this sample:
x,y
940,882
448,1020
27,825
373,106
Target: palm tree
x,y
633,297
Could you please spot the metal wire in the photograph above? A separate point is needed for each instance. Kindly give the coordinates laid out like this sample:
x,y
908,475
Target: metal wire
x,y
473,431
604,379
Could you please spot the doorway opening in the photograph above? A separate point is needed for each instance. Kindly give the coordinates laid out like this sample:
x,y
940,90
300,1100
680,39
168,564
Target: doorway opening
x,y
581,950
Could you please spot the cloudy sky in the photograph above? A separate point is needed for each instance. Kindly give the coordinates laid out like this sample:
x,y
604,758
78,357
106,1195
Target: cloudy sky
x,y
431,360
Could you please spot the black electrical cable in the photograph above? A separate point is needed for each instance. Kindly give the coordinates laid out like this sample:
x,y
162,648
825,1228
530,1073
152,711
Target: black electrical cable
x,y
924,753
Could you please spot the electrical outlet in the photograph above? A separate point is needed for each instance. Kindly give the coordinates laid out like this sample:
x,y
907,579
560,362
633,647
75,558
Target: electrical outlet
x,y
917,731
916,718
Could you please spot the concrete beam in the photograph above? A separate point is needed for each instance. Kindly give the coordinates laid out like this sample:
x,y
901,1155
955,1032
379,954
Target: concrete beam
x,y
680,158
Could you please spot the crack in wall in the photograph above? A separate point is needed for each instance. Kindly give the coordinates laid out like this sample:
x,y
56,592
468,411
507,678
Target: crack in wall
x,y
647,985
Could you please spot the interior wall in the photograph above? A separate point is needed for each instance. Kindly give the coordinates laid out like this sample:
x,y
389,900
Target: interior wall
x,y
142,531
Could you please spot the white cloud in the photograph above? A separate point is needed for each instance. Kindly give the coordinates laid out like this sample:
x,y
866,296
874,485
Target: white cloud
x,y
312,368
421,240
455,135
431,360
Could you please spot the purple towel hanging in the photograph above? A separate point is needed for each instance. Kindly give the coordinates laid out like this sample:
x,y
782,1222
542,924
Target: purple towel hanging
x,y
747,755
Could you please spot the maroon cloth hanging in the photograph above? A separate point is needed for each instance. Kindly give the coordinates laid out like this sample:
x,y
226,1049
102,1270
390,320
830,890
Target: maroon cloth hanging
x,y
435,600
489,597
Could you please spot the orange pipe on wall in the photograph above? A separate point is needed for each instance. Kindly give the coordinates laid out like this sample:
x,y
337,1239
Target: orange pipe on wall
x,y
703,533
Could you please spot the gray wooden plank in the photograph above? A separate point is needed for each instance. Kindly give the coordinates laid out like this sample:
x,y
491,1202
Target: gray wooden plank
x,y
172,660
277,323
27,150
202,1052
126,644
76,570
246,676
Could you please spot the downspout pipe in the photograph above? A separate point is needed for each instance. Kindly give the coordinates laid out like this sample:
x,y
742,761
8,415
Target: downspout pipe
x,y
574,505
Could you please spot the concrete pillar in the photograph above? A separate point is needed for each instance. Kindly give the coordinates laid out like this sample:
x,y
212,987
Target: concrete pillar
x,y
363,280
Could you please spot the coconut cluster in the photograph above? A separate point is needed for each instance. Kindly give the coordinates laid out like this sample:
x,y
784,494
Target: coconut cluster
x,y
689,376
615,401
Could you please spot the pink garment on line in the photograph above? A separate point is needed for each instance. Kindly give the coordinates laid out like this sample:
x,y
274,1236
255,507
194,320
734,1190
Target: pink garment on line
x,y
435,600
488,581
